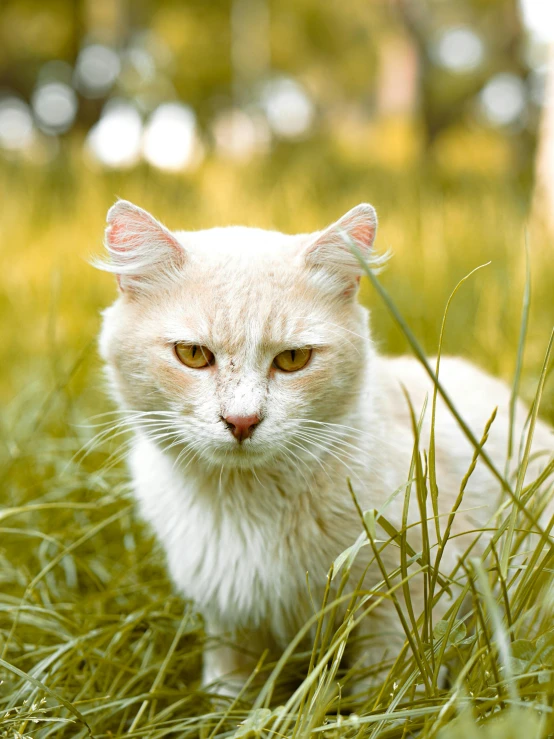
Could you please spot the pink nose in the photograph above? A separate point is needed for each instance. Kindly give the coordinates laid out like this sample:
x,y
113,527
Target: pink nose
x,y
242,427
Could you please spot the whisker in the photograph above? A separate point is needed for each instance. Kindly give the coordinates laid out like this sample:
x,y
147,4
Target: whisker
x,y
327,447
181,456
349,341
133,413
291,456
111,433
332,438
191,460
354,430
338,456
221,474
258,479
317,459
343,328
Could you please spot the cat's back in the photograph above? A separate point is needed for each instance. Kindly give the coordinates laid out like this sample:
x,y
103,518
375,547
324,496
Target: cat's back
x,y
475,394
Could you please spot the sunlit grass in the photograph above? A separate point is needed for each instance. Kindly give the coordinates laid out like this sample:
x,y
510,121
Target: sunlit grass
x,y
92,639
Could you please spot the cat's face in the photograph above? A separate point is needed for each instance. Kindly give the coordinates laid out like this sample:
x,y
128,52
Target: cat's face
x,y
238,344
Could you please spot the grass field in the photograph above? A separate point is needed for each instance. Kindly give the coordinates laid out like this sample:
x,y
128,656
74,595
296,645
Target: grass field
x,y
93,641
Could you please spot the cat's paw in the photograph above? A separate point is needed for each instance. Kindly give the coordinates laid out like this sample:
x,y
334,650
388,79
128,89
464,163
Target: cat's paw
x,y
224,686
217,679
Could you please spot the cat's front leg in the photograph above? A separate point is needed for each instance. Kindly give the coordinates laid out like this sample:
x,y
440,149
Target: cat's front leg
x,y
230,659
225,670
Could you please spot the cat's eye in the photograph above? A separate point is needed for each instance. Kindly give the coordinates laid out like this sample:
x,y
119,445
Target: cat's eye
x,y
292,360
194,355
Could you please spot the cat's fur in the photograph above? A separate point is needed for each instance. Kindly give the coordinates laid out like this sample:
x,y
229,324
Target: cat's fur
x,y
241,524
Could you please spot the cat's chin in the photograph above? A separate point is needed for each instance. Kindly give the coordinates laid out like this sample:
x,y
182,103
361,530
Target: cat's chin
x,y
240,456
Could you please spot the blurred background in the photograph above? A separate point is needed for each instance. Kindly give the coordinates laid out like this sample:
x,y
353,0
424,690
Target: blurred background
x,y
275,113
281,115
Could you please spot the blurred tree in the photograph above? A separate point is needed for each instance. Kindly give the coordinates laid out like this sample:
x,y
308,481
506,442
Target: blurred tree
x,y
543,197
359,64
446,97
32,33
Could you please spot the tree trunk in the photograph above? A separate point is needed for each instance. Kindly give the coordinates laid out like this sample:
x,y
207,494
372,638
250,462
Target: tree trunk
x,y
543,197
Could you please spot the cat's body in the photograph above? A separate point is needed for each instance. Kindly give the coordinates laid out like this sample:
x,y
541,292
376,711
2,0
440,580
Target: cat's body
x,y
243,519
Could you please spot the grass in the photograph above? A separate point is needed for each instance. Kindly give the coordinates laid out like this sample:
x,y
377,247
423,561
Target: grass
x,y
93,641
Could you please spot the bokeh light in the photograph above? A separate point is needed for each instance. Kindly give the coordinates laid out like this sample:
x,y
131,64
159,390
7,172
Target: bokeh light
x,y
289,110
142,63
96,70
539,18
115,141
240,135
459,49
16,124
503,99
55,106
170,140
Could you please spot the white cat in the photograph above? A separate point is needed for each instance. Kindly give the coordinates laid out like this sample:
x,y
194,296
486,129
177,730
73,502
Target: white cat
x,y
245,365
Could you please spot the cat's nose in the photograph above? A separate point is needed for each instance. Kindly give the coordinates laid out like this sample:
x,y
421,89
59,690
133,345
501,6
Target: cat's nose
x,y
242,427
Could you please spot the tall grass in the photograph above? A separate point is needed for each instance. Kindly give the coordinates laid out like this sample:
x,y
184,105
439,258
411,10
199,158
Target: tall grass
x,y
93,641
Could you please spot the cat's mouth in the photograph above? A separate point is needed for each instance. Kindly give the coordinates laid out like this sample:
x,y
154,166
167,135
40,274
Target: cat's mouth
x,y
246,453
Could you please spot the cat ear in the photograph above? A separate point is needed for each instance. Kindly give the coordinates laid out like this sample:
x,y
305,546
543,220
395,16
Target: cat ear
x,y
331,248
141,249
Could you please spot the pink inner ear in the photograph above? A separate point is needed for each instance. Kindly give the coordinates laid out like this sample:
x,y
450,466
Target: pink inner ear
x,y
117,238
362,231
352,288
124,231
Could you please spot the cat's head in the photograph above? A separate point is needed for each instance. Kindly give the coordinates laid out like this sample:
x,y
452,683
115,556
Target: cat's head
x,y
237,344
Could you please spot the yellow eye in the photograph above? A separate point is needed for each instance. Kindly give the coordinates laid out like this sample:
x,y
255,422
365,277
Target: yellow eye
x,y
194,355
292,359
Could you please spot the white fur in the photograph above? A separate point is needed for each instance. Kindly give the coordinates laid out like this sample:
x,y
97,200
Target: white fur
x,y
242,524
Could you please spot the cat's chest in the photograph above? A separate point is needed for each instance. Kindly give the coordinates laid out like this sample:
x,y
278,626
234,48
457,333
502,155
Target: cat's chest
x,y
247,564
239,553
